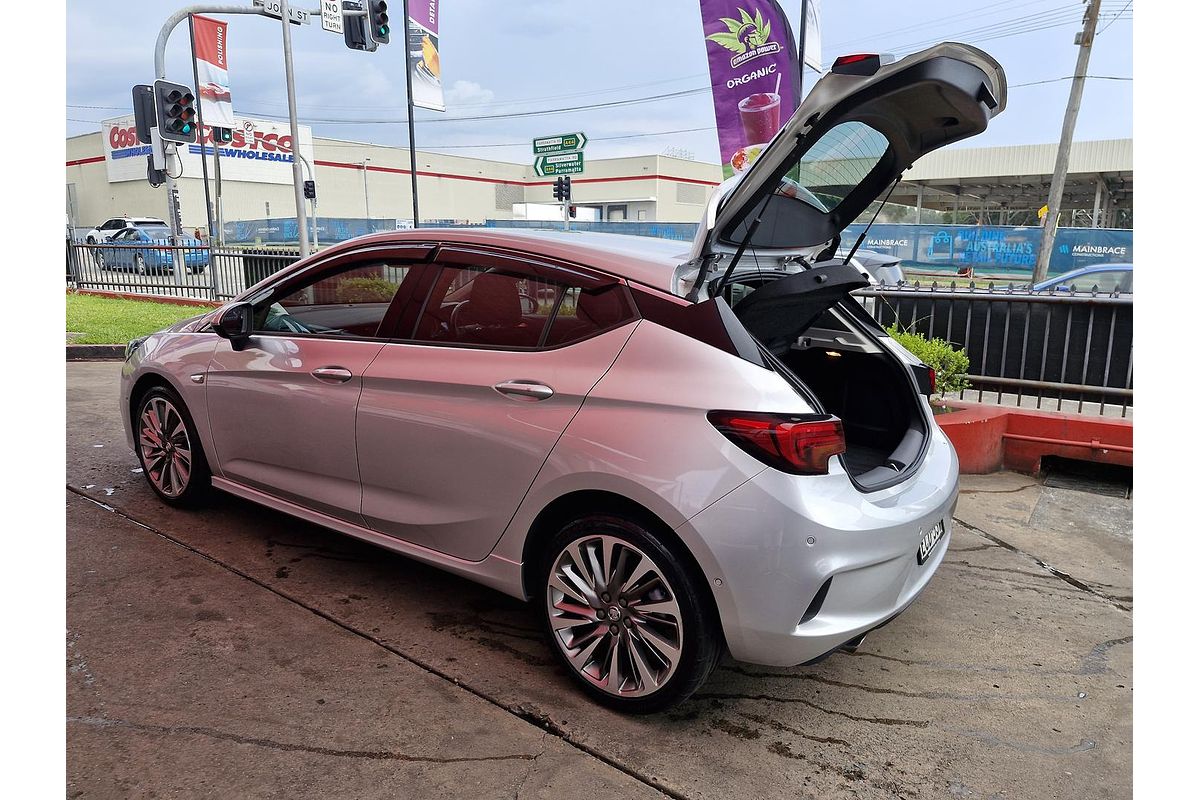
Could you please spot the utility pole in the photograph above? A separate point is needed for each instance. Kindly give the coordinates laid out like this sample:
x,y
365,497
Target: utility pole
x,y
297,172
1050,223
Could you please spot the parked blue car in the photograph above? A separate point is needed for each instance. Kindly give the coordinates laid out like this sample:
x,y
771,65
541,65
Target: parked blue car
x,y
147,250
1106,278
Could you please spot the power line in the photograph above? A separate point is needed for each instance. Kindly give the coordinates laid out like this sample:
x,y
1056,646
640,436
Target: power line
x,y
1116,17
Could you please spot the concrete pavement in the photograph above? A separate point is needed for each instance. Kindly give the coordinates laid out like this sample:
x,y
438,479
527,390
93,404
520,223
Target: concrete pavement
x,y
1009,678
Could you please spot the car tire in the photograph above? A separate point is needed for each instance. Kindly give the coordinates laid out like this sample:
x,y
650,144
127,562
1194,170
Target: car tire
x,y
174,464
662,655
100,262
139,264
91,240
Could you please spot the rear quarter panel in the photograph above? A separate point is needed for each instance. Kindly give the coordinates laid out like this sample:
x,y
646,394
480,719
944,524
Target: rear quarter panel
x,y
643,433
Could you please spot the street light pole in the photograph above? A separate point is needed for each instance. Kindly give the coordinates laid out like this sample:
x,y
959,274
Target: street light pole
x,y
1058,181
160,72
297,173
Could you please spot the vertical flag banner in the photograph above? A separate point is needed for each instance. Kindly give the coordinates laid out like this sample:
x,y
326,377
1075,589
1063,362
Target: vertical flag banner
x,y
754,75
212,66
812,35
424,63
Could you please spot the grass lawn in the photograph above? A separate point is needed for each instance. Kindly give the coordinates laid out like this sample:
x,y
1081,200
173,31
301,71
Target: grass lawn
x,y
113,320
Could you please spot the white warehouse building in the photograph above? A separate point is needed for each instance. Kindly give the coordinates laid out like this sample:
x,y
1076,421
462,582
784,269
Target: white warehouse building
x,y
106,177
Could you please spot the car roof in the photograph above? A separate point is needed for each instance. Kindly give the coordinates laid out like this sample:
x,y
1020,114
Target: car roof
x,y
1090,269
642,259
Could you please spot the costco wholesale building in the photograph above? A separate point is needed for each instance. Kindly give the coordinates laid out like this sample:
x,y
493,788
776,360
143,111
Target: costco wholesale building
x,y
105,177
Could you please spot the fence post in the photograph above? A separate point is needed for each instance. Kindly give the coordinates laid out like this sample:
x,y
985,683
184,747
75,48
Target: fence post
x,y
214,282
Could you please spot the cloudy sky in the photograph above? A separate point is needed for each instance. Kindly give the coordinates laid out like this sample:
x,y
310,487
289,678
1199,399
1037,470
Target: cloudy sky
x,y
535,57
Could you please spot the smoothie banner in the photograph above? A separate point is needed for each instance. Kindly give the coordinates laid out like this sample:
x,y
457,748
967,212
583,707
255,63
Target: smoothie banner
x,y
754,75
212,67
421,34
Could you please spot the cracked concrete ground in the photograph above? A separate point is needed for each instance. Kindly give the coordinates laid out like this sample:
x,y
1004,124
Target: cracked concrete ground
x,y
1009,678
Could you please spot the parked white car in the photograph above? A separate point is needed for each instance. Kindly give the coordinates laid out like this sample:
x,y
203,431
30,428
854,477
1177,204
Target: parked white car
x,y
111,227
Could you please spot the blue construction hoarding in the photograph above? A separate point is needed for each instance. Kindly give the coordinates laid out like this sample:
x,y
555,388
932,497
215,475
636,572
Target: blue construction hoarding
x,y
993,249
982,249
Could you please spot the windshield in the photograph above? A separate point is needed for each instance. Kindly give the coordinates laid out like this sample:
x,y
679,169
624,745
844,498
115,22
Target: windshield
x,y
835,164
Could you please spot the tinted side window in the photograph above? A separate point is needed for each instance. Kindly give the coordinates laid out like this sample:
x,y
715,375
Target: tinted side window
x,y
352,303
1104,281
478,306
584,313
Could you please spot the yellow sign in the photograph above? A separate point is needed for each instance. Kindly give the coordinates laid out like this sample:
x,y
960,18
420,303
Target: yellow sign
x,y
1043,211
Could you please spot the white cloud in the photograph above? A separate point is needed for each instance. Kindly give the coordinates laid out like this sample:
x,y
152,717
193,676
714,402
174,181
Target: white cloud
x,y
468,93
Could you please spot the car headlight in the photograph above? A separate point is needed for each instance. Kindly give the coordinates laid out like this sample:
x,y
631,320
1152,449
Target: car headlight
x,y
133,345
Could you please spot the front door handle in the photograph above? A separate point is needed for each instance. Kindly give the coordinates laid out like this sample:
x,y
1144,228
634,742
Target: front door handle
x,y
525,390
332,374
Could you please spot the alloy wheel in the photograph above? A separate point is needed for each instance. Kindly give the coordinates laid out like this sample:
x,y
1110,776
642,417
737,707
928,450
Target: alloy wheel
x,y
139,264
165,447
615,616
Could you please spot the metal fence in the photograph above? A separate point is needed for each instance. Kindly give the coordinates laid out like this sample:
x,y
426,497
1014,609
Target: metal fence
x,y
195,272
1055,347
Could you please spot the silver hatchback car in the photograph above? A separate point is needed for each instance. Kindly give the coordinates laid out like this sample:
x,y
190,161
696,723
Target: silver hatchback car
x,y
670,453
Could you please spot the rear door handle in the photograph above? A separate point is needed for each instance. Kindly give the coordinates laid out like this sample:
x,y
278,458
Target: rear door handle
x,y
527,390
332,374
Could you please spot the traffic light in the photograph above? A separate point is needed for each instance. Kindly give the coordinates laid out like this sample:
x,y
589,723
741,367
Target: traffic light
x,y
310,190
377,21
354,27
562,189
571,211
143,111
222,135
175,110
566,188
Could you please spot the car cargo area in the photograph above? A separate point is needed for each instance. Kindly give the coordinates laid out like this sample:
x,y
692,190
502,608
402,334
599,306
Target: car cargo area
x,y
870,391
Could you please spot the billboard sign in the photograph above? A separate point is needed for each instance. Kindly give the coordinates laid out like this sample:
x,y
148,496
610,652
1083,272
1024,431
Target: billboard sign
x,y
754,75
424,60
210,40
261,151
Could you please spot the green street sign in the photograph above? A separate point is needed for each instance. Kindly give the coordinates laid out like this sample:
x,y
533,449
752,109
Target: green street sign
x,y
561,164
559,144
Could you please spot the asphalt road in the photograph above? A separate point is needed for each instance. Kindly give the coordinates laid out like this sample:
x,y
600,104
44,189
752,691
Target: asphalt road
x,y
238,652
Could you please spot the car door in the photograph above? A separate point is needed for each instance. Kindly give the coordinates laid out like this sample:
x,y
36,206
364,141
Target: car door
x,y
494,356
110,228
282,407
119,253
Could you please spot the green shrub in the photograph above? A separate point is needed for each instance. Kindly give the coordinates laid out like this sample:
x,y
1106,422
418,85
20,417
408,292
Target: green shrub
x,y
949,364
366,290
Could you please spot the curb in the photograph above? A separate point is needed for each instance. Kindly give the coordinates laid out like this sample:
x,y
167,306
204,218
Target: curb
x,y
95,352
149,298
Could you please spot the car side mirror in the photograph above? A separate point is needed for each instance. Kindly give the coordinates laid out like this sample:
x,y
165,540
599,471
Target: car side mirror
x,y
235,324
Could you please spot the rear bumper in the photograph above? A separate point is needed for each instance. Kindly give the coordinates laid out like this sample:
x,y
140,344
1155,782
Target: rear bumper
x,y
775,540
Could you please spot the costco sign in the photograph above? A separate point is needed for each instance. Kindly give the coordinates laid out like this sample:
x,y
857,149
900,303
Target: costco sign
x,y
261,152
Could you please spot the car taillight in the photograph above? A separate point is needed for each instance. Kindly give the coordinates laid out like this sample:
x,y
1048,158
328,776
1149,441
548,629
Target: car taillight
x,y
801,444
860,63
932,380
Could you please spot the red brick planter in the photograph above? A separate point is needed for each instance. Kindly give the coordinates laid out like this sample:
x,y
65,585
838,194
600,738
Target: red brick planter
x,y
990,438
